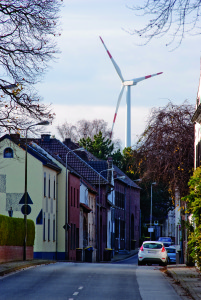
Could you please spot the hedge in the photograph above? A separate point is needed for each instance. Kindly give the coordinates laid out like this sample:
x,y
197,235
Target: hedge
x,y
12,231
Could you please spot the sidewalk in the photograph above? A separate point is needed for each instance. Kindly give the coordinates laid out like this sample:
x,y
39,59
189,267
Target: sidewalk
x,y
188,277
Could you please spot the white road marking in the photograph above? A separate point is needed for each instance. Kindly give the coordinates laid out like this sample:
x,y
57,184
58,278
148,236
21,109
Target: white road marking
x,y
80,288
75,294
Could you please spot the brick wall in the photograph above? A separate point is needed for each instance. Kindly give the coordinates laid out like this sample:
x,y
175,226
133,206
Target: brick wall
x,y
13,253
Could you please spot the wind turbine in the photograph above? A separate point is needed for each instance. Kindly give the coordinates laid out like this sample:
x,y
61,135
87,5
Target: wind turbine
x,y
127,84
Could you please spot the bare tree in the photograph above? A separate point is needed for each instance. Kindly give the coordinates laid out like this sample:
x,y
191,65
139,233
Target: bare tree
x,y
166,148
176,17
83,129
91,128
67,130
27,42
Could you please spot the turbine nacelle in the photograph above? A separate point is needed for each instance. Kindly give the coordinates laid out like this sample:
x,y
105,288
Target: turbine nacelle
x,y
129,83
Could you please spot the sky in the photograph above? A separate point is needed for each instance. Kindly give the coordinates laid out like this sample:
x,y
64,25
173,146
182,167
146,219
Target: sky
x,y
83,84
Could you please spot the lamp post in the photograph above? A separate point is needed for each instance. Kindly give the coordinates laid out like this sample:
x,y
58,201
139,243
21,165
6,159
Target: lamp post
x,y
151,210
111,169
25,187
66,226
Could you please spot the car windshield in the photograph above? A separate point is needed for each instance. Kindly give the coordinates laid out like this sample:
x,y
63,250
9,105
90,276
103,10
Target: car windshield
x,y
152,246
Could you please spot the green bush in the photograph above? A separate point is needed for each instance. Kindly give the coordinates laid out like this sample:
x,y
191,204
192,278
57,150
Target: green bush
x,y
12,231
194,209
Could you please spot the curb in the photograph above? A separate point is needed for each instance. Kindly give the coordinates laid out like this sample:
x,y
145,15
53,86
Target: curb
x,y
25,266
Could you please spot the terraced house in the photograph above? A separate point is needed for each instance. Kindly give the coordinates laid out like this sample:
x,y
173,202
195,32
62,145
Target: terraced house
x,y
76,200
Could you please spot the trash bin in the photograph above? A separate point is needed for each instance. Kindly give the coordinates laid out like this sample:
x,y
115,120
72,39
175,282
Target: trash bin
x,y
88,253
78,254
107,254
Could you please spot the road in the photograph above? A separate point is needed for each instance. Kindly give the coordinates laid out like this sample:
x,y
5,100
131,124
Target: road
x,y
87,281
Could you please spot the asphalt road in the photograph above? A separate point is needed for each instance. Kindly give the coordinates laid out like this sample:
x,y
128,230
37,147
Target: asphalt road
x,y
87,281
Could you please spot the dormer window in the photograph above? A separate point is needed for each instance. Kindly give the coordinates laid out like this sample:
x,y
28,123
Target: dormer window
x,y
8,153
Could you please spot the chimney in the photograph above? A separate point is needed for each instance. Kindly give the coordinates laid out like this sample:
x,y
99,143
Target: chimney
x,y
45,137
15,136
71,145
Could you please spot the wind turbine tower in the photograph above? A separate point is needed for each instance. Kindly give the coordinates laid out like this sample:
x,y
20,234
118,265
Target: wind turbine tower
x,y
127,84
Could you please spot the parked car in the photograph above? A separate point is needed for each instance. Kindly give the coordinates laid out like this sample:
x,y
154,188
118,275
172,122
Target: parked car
x,y
171,252
167,241
152,252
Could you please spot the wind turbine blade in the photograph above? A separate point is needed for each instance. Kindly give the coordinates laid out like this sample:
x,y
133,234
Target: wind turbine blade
x,y
136,80
117,107
113,61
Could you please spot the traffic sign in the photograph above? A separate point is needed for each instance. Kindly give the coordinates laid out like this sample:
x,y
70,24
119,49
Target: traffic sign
x,y
28,209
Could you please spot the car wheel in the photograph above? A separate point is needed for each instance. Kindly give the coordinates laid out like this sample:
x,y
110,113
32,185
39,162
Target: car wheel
x,y
139,263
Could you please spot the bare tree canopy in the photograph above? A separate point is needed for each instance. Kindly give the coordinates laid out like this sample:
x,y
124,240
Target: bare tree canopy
x,y
176,17
166,148
83,129
27,42
67,130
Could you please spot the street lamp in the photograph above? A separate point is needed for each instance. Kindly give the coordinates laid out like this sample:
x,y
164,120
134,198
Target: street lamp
x,y
138,180
151,211
67,226
25,188
111,169
120,177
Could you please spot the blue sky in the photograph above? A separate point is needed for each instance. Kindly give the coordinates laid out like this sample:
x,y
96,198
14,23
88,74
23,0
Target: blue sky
x,y
83,83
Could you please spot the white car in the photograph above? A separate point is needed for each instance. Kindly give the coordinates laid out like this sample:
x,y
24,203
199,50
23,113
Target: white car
x,y
152,252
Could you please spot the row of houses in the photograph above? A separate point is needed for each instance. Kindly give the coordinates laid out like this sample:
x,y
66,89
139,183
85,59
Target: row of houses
x,y
76,201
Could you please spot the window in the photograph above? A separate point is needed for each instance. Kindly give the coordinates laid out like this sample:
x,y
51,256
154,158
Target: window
x,y
54,188
71,237
45,184
49,187
122,229
77,237
51,206
74,237
78,202
8,153
46,204
71,195
54,227
48,227
44,227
